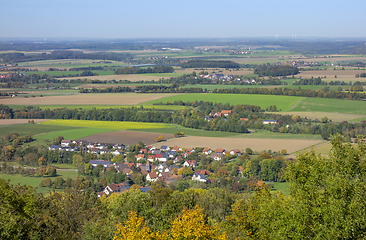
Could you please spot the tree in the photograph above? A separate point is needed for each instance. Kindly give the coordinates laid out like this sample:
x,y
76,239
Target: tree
x,y
159,139
324,120
185,171
41,161
283,151
88,168
295,118
249,151
190,224
46,182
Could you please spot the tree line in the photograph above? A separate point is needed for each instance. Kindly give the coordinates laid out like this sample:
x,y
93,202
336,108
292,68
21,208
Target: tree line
x,y
138,70
278,70
209,64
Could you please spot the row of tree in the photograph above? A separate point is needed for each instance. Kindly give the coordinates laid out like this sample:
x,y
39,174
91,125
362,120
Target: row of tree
x,y
138,70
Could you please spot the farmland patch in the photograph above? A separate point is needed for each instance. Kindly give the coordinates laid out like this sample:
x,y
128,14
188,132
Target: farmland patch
x,y
87,99
126,137
291,145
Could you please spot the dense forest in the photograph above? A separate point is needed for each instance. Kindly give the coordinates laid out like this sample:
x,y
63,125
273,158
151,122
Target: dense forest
x,y
138,70
278,70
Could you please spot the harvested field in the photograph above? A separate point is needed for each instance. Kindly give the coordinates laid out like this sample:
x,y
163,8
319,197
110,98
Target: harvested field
x,y
130,77
336,59
290,145
87,99
331,74
104,86
335,117
126,137
19,121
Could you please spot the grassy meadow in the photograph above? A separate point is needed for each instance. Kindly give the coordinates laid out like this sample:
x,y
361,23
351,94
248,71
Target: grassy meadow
x,y
331,106
282,102
108,124
32,129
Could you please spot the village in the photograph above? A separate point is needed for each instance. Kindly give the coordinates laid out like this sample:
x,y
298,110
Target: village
x,y
165,164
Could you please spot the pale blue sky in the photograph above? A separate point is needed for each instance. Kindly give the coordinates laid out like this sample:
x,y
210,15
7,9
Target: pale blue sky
x,y
182,19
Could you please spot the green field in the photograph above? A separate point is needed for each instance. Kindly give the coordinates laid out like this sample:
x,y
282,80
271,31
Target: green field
x,y
35,181
72,133
271,135
32,129
112,125
192,132
331,105
282,102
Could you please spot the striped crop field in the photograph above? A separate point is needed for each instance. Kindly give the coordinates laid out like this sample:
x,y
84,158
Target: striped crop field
x,y
108,124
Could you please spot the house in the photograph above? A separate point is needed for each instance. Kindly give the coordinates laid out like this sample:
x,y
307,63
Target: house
x,y
118,152
217,156
94,150
143,150
178,159
95,163
65,143
269,121
164,157
150,147
120,166
164,148
151,158
225,112
190,163
244,119
204,172
190,150
140,156
199,177
207,151
164,174
220,150
54,147
151,177
116,188
171,154
161,167
235,152
177,149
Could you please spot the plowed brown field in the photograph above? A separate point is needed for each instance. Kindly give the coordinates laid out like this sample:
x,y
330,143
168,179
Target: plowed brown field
x,y
87,99
290,145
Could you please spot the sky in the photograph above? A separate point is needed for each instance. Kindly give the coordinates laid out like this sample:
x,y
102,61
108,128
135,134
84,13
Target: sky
x,y
181,18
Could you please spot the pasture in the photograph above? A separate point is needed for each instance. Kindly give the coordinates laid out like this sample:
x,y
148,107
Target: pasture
x,y
331,106
87,99
282,102
32,129
342,75
112,125
71,133
335,117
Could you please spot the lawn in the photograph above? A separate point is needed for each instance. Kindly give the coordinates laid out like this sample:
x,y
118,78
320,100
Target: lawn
x,y
35,181
282,102
72,133
111,125
281,186
32,129
331,105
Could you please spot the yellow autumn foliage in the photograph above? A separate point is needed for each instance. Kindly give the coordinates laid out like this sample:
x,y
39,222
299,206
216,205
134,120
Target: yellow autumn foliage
x,y
190,224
